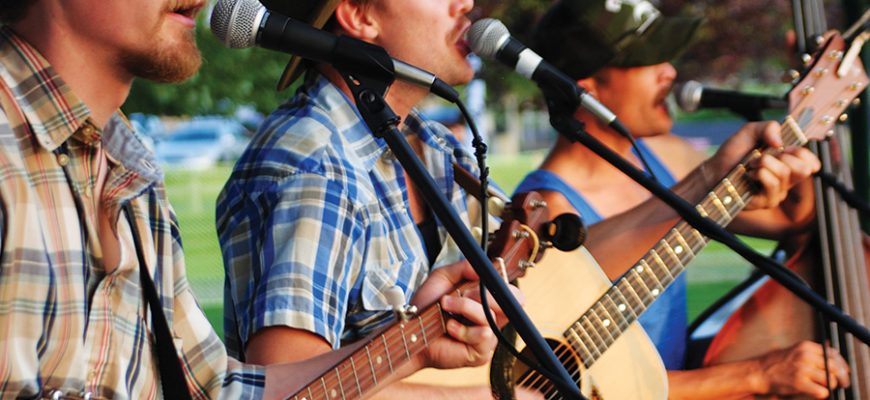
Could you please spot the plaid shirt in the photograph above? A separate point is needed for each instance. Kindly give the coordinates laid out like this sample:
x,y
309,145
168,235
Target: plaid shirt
x,y
66,324
314,222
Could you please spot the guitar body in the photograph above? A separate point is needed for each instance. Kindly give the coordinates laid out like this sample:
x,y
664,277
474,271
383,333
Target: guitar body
x,y
558,289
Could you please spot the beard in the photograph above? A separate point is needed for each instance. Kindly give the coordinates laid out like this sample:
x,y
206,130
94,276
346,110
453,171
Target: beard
x,y
166,63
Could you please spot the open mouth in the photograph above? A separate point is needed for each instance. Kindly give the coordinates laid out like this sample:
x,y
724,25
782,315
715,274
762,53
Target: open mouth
x,y
187,9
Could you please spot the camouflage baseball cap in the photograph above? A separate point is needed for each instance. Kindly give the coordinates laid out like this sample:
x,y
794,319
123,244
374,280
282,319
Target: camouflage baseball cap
x,y
314,12
581,36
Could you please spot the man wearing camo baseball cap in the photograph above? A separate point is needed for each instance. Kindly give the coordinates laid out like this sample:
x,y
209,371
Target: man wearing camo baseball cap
x,y
620,51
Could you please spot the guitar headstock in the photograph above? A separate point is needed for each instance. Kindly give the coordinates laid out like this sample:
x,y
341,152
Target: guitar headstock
x,y
827,88
526,231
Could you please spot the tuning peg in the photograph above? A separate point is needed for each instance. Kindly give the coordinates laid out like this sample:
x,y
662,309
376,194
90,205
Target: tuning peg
x,y
566,232
844,117
791,76
806,59
856,102
496,206
396,297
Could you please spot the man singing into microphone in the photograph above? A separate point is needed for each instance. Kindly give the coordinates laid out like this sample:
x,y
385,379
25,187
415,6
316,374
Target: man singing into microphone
x,y
318,219
620,52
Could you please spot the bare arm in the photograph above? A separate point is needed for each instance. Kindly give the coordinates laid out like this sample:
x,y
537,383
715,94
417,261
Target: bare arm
x,y
798,370
618,241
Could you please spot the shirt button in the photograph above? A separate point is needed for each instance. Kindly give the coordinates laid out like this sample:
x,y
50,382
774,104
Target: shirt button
x,y
440,140
63,160
387,157
88,130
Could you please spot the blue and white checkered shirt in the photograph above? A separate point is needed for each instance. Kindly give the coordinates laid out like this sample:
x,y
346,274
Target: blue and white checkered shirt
x,y
314,222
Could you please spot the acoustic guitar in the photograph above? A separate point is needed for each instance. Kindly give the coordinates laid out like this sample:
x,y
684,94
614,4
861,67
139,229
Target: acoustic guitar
x,y
609,354
355,371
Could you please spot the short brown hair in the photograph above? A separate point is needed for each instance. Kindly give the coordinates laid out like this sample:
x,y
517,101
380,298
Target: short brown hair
x,y
13,10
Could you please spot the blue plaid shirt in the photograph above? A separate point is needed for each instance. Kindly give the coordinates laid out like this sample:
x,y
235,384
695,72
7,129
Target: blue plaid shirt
x,y
314,222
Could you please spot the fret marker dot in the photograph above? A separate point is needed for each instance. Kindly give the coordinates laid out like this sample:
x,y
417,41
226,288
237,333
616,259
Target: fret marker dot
x,y
413,338
333,393
621,307
606,323
655,292
678,249
726,200
379,360
639,268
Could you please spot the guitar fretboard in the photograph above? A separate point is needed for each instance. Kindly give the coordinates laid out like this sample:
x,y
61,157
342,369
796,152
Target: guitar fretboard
x,y
600,326
360,373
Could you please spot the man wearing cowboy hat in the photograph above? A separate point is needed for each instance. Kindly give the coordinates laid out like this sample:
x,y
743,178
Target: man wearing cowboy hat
x,y
620,52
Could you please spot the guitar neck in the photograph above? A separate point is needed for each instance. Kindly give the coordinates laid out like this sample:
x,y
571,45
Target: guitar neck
x,y
360,373
602,324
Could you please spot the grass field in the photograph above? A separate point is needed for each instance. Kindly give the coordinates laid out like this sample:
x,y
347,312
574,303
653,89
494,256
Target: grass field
x,y
193,196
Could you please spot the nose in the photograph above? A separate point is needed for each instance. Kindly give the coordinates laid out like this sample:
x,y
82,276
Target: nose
x,y
461,7
667,71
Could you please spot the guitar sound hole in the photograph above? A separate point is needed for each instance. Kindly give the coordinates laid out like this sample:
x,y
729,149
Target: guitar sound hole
x,y
529,378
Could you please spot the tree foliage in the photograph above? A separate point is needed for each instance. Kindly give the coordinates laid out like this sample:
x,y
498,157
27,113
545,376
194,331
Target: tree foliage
x,y
741,40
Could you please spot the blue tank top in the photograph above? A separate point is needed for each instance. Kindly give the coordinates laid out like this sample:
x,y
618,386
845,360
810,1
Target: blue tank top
x,y
666,320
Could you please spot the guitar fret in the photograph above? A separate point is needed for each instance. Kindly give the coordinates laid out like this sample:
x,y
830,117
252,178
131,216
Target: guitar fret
x,y
588,330
717,202
653,285
355,376
340,384
678,264
387,352
624,304
701,239
734,193
701,210
310,393
404,340
684,247
372,366
602,326
614,314
665,277
586,354
325,389
423,332
640,305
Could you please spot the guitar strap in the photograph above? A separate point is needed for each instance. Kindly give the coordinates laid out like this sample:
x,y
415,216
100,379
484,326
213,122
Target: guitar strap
x,y
171,374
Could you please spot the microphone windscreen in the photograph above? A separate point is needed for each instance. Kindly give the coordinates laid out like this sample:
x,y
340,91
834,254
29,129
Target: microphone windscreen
x,y
688,95
233,22
485,35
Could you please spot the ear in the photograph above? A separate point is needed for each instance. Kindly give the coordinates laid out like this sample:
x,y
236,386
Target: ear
x,y
356,20
590,85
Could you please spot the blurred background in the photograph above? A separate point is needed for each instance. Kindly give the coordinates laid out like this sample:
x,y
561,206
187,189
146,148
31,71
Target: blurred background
x,y
200,127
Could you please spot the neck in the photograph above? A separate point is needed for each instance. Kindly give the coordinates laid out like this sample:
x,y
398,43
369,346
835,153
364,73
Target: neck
x,y
401,96
90,72
570,156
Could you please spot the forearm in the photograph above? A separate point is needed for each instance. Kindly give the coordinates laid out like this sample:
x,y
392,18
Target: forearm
x,y
619,241
404,390
726,381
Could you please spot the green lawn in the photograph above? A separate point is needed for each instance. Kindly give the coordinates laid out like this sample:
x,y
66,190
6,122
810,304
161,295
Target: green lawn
x,y
193,197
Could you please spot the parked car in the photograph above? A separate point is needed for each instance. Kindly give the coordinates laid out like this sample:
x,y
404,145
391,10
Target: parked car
x,y
199,144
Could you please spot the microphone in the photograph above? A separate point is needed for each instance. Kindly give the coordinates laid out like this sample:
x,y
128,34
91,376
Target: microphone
x,y
692,96
489,38
246,23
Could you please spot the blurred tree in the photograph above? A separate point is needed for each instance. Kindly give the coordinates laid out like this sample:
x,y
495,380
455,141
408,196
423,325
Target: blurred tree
x,y
227,78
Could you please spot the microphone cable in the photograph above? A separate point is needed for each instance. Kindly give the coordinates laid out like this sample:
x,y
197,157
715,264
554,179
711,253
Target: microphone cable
x,y
480,150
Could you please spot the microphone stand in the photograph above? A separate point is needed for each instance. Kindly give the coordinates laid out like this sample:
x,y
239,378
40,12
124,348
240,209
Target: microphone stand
x,y
368,85
562,119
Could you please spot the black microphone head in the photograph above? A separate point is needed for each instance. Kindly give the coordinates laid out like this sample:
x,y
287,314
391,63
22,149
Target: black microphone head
x,y
486,36
236,22
688,95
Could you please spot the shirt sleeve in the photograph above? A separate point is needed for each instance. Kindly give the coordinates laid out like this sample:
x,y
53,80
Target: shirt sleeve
x,y
305,245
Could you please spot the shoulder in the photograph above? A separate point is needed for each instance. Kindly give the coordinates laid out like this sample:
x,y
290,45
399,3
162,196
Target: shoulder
x,y
676,153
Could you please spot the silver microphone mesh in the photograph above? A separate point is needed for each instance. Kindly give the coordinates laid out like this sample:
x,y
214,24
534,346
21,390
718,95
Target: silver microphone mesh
x,y
688,95
486,35
235,22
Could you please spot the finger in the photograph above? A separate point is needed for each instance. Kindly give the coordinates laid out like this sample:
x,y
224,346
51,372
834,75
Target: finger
x,y
477,336
771,134
839,367
799,168
807,157
770,188
465,307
